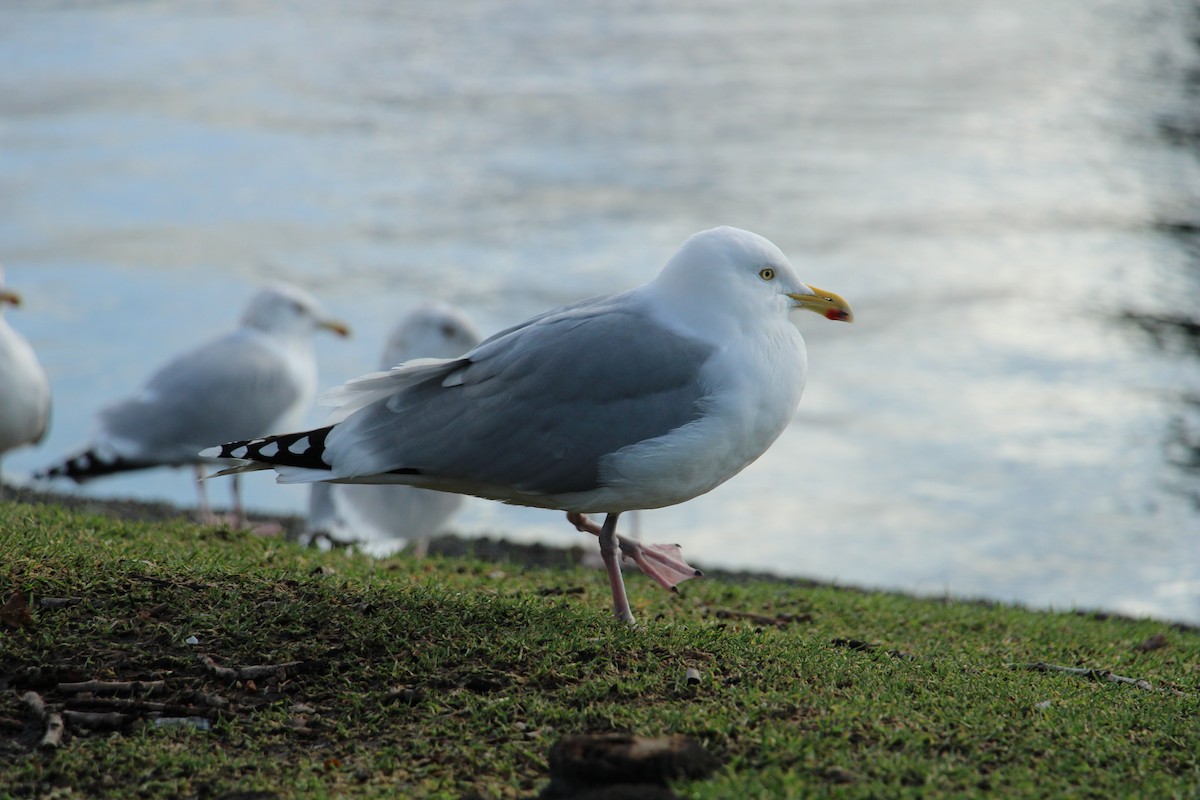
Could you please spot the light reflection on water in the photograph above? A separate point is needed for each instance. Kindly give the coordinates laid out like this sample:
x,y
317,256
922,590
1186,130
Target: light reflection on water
x,y
1006,192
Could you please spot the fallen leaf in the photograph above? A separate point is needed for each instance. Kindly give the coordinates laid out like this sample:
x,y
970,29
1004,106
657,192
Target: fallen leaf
x,y
15,611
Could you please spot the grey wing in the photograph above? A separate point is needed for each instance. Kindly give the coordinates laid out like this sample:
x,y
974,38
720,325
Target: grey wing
x,y
233,388
537,407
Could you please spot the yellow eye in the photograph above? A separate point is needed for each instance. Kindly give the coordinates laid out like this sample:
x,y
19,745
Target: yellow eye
x,y
767,274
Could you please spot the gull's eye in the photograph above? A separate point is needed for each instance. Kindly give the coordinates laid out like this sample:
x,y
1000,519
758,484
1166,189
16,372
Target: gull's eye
x,y
767,274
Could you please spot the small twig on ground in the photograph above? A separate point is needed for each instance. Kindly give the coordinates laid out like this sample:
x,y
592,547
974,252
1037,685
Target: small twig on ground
x,y
51,603
52,737
211,700
113,687
247,673
219,672
853,644
141,706
780,620
1101,675
858,644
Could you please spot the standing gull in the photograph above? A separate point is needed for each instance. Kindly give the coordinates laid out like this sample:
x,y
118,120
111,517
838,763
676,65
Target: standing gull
x,y
258,379
636,400
24,388
383,518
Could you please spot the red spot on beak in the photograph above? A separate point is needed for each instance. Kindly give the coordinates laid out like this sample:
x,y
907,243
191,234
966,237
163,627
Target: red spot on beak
x,y
836,314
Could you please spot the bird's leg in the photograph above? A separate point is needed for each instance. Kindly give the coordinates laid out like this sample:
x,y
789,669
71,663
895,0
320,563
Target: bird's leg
x,y
206,515
582,523
612,563
238,516
662,562
238,519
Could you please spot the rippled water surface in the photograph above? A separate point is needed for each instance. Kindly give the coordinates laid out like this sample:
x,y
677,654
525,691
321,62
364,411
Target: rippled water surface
x,y
1009,193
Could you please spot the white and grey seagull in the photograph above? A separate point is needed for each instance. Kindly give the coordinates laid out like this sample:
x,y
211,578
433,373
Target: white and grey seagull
x,y
260,378
24,387
636,400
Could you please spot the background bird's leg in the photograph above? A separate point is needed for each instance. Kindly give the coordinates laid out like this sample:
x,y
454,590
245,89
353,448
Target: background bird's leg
x,y
239,514
612,563
206,515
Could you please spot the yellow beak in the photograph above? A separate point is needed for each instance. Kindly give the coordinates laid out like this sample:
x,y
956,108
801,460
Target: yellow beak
x,y
336,326
9,296
827,304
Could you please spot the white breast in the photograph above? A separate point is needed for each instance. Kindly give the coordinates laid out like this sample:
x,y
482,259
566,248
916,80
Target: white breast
x,y
24,392
755,391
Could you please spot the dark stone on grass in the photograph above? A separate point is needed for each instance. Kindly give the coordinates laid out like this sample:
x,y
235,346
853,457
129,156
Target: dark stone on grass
x,y
609,766
617,791
405,695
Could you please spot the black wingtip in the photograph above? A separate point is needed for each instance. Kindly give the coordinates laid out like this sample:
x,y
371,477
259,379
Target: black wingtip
x,y
303,449
90,464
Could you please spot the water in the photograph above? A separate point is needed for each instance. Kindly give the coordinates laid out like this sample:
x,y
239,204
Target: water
x,y
1008,193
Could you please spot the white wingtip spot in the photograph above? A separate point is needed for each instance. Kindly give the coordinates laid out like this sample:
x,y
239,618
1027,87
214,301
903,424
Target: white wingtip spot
x,y
210,452
269,450
239,452
454,378
299,447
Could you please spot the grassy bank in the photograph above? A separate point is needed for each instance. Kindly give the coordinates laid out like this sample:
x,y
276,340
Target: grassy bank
x,y
452,678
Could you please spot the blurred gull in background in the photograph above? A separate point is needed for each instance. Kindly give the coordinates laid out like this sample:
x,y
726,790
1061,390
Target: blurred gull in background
x,y
260,378
24,388
381,520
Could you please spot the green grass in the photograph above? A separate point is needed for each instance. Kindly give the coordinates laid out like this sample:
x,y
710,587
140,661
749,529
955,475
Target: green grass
x,y
451,676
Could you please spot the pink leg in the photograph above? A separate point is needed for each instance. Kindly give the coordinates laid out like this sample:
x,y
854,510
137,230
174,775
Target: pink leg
x,y
612,563
662,562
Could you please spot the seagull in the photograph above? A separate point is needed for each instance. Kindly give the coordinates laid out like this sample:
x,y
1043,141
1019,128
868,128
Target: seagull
x,y
384,517
636,400
24,388
257,379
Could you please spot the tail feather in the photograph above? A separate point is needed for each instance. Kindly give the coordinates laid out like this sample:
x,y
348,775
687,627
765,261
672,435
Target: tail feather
x,y
303,449
92,463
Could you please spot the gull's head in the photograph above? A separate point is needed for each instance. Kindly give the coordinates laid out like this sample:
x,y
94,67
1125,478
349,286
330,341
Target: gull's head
x,y
741,268
289,310
433,330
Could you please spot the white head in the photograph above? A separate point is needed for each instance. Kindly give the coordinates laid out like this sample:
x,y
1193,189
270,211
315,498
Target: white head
x,y
434,330
288,310
741,271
